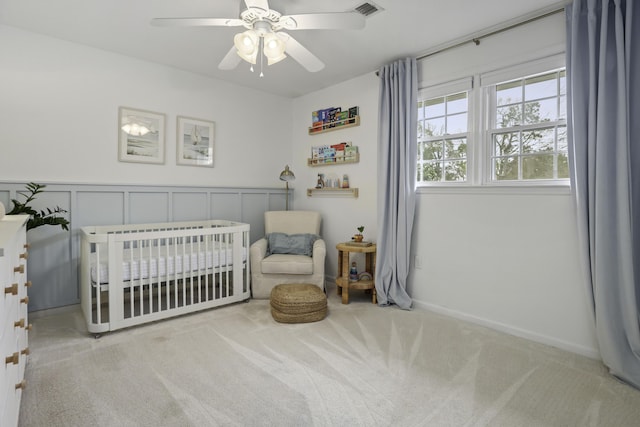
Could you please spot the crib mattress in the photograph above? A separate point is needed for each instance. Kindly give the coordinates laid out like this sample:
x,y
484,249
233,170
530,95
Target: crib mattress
x,y
136,266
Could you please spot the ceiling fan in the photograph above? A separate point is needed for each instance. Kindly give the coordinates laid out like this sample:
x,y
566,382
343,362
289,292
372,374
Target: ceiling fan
x,y
264,33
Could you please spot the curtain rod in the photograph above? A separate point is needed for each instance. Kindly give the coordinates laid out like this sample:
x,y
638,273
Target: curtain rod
x,y
476,39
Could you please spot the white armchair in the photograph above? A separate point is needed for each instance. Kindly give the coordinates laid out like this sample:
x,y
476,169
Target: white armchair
x,y
274,269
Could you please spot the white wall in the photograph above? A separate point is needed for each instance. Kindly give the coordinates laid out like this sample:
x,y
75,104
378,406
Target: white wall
x,y
59,115
341,215
502,258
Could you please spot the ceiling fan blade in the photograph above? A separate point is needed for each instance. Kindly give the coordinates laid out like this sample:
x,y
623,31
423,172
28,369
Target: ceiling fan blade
x,y
301,54
323,21
230,60
257,4
197,22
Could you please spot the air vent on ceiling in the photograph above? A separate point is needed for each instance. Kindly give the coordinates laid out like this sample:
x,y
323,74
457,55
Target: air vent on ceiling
x,y
367,9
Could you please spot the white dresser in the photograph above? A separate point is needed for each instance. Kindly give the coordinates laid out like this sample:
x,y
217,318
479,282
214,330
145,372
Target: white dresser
x,y
13,316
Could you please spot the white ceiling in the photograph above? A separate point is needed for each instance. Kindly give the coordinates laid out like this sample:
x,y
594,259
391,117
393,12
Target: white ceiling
x,y
404,28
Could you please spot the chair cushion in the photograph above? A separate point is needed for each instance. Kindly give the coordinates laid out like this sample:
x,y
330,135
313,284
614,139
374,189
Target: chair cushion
x,y
296,244
287,264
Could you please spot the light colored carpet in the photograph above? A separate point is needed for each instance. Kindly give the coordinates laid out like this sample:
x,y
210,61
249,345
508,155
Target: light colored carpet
x,y
361,366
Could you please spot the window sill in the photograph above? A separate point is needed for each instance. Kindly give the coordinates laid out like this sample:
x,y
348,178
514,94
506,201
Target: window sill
x,y
529,190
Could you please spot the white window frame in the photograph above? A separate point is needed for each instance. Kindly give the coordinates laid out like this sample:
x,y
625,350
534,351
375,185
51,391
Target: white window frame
x,y
479,166
488,81
445,89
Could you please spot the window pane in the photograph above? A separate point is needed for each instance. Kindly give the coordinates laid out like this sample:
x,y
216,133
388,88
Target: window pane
x,y
509,116
432,172
434,127
434,107
457,103
532,113
509,93
563,166
537,167
506,143
562,140
548,109
538,140
540,87
455,171
432,150
456,148
457,123
563,108
563,82
505,169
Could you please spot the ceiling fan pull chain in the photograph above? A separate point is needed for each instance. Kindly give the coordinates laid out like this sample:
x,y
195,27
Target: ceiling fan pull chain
x,y
260,52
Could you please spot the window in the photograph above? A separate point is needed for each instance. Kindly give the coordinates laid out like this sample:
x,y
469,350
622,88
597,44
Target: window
x,y
528,131
443,128
509,129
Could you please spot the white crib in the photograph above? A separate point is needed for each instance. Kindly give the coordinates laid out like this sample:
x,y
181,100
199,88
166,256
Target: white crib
x,y
139,273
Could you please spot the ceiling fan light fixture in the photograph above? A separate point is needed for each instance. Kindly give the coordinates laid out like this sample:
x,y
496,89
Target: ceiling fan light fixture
x,y
247,44
274,48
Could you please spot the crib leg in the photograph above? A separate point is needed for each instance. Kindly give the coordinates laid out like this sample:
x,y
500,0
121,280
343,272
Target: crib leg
x,y
97,336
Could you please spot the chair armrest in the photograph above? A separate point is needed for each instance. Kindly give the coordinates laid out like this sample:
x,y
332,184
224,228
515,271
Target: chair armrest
x,y
258,251
319,253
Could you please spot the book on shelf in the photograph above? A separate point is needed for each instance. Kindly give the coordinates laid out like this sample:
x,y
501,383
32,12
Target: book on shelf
x,y
352,112
360,244
342,117
332,116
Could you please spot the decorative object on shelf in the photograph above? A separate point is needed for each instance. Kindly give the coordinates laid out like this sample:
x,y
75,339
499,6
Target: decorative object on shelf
x,y
194,140
345,181
365,275
141,136
36,219
264,33
353,272
358,237
320,182
286,175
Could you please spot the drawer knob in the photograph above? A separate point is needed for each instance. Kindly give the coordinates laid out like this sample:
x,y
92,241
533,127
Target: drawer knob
x,y
25,300
19,269
29,327
21,385
14,358
28,284
27,245
26,351
19,323
24,255
13,289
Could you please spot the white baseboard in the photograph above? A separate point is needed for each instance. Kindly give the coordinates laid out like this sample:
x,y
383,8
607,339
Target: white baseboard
x,y
591,353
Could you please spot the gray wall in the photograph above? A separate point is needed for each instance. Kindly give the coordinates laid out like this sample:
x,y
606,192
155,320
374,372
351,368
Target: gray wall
x,y
54,253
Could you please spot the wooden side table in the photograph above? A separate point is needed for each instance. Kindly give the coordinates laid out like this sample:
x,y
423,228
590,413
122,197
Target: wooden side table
x,y
342,281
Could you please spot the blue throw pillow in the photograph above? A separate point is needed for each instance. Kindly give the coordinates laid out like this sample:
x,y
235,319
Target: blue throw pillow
x,y
295,244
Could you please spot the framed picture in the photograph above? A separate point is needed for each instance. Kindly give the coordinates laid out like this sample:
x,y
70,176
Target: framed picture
x,y
194,141
141,136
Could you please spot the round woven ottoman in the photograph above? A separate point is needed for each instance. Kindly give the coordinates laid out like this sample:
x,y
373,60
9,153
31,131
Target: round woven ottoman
x,y
298,303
